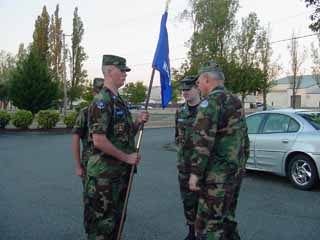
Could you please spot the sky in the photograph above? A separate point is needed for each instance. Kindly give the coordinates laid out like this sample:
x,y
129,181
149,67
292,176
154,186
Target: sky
x,y
130,28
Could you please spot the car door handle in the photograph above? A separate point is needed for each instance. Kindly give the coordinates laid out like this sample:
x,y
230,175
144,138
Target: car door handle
x,y
285,140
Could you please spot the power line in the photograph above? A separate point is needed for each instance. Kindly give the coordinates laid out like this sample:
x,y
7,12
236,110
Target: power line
x,y
298,37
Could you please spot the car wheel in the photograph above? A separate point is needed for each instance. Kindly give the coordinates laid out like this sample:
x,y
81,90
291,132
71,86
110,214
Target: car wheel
x,y
302,172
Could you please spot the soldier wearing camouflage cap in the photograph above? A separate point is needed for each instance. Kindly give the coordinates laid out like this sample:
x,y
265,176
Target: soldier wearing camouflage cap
x,y
221,149
80,133
113,151
185,117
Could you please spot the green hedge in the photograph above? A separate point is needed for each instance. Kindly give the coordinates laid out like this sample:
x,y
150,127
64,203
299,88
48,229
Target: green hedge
x,y
22,119
4,118
70,119
47,119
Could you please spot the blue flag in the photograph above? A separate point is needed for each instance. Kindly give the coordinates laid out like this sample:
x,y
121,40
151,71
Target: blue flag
x,y
161,62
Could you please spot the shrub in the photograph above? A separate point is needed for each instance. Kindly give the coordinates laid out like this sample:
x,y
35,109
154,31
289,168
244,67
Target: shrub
x,y
81,106
47,119
4,118
70,119
22,119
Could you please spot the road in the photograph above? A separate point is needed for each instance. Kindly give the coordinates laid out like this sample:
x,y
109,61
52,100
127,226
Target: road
x,y
40,196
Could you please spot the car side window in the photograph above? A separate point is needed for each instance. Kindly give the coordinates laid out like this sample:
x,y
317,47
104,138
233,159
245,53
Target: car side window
x,y
276,123
294,126
254,122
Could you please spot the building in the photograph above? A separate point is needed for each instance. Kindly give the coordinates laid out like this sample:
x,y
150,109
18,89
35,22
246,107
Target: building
x,y
308,93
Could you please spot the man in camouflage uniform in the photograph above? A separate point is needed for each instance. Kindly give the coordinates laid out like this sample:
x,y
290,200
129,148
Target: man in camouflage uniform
x,y
113,152
184,120
220,154
80,132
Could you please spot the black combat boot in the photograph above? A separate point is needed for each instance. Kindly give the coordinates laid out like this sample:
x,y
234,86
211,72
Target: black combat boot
x,y
191,234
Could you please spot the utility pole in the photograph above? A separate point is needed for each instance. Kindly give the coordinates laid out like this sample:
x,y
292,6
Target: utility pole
x,y
65,98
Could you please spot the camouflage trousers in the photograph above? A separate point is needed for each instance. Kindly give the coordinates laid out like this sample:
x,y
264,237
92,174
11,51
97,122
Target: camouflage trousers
x,y
216,212
105,196
189,198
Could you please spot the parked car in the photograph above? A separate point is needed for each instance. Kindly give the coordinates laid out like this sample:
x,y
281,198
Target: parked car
x,y
286,142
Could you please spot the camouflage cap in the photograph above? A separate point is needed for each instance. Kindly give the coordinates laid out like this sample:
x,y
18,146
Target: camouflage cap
x,y
117,61
187,83
97,84
212,67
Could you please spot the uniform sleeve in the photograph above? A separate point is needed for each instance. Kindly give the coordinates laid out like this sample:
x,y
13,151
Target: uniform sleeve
x,y
99,117
176,128
80,124
204,132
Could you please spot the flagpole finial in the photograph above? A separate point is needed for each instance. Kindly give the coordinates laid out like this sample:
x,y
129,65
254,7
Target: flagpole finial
x,y
167,5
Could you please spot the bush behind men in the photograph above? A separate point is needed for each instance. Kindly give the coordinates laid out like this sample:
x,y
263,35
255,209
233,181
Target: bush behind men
x,y
185,117
221,149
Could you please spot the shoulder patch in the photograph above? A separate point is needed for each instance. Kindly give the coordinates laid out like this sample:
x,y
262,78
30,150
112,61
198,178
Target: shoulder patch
x,y
101,104
204,104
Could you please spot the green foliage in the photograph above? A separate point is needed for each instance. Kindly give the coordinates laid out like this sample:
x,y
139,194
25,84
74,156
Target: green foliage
x,y
88,94
4,118
135,92
31,85
75,92
77,58
22,119
55,45
315,16
47,119
7,64
81,106
70,119
41,34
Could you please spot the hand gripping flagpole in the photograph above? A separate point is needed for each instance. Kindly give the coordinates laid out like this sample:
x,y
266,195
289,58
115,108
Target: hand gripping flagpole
x,y
138,145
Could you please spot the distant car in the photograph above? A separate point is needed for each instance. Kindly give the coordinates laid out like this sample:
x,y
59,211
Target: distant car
x,y
131,106
143,107
286,142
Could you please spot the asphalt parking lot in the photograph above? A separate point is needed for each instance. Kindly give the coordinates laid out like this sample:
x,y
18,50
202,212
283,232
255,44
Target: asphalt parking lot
x,y
40,196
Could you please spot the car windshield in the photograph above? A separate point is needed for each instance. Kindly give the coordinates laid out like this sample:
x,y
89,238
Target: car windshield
x,y
312,117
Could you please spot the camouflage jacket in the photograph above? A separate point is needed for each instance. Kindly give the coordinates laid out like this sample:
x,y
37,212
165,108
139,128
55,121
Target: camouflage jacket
x,y
220,138
108,114
183,135
81,128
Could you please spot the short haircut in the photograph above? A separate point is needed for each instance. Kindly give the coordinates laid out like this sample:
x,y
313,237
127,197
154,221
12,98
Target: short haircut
x,y
216,75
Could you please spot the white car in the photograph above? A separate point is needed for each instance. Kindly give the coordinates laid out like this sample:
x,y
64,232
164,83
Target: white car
x,y
286,142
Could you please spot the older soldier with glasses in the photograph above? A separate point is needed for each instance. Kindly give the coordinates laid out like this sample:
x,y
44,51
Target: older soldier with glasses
x,y
219,157
113,151
185,117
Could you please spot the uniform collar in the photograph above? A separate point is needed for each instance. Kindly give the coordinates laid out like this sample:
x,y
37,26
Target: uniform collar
x,y
217,88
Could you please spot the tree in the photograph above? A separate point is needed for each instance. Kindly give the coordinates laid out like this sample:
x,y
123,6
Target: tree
x,y
297,58
315,16
246,76
7,63
41,34
269,69
31,85
315,55
214,23
55,44
77,58
135,92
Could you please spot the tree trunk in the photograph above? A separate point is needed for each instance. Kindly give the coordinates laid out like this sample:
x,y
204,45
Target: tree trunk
x,y
264,93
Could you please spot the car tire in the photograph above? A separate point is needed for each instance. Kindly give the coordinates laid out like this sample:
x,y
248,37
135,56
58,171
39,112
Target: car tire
x,y
302,172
